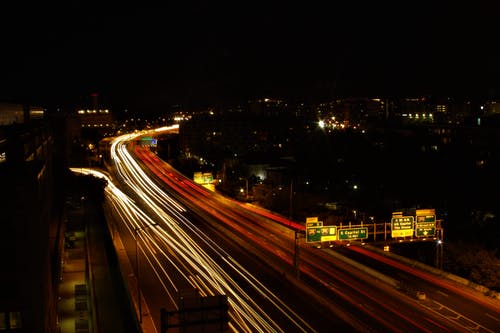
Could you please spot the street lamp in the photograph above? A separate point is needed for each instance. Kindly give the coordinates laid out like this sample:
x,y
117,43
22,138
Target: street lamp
x,y
245,190
136,231
439,250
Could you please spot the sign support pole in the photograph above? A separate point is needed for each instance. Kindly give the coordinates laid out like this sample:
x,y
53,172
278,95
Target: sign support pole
x,y
296,255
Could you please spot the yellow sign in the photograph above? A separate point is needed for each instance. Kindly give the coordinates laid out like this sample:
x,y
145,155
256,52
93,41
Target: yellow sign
x,y
401,233
312,219
402,226
423,212
328,234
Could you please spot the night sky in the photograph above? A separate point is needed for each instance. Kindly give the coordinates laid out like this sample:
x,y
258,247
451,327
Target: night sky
x,y
205,52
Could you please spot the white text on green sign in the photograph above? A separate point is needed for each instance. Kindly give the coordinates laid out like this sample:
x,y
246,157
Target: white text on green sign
x,y
355,233
427,229
426,218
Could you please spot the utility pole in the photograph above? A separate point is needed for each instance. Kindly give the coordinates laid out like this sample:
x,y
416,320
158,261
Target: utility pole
x,y
136,231
439,250
137,276
296,255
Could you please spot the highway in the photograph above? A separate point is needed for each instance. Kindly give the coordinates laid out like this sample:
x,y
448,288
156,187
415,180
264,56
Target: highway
x,y
189,238
171,245
468,308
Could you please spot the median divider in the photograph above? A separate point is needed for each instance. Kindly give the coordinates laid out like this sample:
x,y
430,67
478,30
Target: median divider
x,y
452,277
373,273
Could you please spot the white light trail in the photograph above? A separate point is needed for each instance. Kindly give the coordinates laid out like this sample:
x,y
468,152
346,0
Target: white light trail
x,y
163,241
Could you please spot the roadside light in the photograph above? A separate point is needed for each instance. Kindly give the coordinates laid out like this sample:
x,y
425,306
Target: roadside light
x,y
386,248
439,241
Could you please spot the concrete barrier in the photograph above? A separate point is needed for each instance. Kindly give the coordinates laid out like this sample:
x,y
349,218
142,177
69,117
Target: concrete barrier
x,y
373,273
455,278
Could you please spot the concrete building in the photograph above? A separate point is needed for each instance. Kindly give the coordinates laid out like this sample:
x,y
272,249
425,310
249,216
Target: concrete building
x,y
29,236
11,113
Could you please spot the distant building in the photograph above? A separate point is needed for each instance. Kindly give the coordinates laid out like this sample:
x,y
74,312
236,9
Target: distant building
x,y
268,107
492,107
11,113
96,119
416,110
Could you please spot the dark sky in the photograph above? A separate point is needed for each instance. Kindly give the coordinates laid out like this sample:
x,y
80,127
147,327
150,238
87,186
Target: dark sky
x,y
149,55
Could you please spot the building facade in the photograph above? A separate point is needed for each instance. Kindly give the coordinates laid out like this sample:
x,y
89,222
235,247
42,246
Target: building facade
x,y
29,239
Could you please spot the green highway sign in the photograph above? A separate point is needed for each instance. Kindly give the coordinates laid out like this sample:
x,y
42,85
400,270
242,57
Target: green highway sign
x,y
425,222
313,234
354,233
426,218
321,234
402,226
427,229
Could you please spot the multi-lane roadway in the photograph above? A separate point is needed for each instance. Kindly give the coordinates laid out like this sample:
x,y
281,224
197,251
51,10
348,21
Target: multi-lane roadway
x,y
188,238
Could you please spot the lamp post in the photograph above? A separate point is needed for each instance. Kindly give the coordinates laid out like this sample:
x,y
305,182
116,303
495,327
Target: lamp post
x,y
296,254
439,250
136,231
245,190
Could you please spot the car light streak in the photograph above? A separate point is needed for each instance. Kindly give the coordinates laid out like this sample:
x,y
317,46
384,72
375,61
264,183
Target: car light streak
x,y
252,314
164,236
179,260
254,229
426,276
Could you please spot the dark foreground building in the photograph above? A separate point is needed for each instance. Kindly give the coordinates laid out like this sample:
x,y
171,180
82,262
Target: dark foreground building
x,y
29,223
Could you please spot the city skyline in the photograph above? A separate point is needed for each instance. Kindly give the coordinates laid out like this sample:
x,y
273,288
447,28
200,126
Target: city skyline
x,y
441,174
152,56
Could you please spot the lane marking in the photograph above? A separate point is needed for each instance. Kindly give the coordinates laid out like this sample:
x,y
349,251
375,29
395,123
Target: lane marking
x,y
440,292
491,316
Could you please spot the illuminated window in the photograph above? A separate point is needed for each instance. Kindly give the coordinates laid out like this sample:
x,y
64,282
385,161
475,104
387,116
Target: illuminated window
x,y
3,321
15,320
